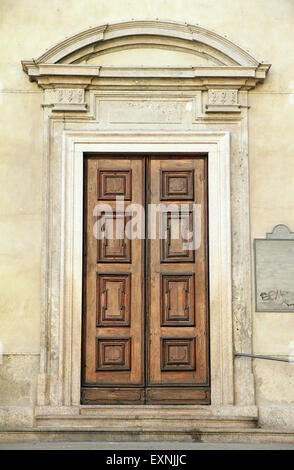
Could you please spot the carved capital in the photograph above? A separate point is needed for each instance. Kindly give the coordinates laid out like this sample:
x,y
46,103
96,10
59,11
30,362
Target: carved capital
x,y
66,99
222,101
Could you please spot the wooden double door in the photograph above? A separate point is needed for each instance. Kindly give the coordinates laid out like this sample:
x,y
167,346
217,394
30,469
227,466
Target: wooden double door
x,y
145,305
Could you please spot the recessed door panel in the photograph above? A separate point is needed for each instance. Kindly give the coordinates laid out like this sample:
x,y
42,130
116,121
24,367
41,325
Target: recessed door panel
x,y
177,299
113,299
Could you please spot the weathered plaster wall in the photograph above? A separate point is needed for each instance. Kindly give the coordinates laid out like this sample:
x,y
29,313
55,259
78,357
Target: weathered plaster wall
x,y
265,28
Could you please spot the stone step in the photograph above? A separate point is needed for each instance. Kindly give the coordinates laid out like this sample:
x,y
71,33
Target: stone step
x,y
138,422
209,436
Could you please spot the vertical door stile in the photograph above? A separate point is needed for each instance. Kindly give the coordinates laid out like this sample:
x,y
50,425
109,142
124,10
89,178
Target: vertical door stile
x,y
178,366
114,284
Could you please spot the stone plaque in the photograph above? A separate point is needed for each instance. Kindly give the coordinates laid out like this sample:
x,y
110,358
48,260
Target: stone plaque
x,y
274,271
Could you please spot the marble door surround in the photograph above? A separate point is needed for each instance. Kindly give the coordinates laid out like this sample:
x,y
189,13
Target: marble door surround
x,y
89,107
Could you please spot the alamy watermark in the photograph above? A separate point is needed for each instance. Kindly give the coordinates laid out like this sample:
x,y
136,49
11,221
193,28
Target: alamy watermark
x,y
165,221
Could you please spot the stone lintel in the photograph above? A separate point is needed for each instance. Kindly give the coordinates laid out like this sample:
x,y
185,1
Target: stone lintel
x,y
202,77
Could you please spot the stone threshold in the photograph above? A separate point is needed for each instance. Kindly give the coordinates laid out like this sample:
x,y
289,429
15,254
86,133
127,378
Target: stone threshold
x,y
145,418
195,411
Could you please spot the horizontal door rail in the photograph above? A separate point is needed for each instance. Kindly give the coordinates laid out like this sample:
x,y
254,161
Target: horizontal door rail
x,y
267,358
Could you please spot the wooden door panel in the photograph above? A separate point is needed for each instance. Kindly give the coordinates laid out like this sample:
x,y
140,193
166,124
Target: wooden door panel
x,y
178,395
173,249
114,282
177,299
114,299
178,310
114,183
177,354
108,395
177,185
113,354
114,246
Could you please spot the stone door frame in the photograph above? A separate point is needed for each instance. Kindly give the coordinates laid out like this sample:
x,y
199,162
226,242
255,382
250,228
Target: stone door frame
x,y
216,145
89,108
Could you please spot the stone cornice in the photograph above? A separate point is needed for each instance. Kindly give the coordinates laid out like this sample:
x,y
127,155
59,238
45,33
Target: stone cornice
x,y
48,75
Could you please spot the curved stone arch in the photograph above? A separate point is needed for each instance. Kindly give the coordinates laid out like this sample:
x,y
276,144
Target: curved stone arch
x,y
195,48
181,36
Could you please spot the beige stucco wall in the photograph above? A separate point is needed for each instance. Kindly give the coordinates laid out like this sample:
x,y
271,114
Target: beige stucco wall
x,y
265,28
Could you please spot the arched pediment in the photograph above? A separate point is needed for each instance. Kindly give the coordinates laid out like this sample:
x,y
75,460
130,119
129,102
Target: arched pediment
x,y
185,37
195,50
